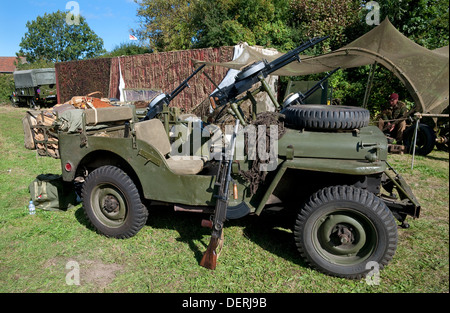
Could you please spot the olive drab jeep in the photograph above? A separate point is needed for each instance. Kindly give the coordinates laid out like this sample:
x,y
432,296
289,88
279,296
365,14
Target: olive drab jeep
x,y
324,162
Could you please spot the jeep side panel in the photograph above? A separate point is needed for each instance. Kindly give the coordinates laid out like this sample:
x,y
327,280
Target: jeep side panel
x,y
157,181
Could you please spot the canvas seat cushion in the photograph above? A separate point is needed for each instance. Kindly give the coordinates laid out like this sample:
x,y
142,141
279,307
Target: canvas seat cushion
x,y
185,167
153,133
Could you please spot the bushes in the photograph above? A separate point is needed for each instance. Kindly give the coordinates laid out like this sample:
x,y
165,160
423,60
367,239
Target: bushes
x,y
6,86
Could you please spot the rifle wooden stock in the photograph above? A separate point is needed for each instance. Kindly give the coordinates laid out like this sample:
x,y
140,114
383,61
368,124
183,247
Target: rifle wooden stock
x,y
209,259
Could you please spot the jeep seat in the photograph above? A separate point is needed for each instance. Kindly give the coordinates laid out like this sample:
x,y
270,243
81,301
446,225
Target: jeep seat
x,y
153,133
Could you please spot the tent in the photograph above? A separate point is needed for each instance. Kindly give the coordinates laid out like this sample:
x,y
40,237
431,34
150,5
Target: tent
x,y
424,72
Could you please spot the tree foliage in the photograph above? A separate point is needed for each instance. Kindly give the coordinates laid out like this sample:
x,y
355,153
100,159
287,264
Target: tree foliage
x,y
257,22
426,22
36,64
182,24
6,87
128,49
51,38
166,24
284,24
327,18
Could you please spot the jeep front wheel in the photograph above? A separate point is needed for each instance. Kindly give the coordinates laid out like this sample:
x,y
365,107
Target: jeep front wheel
x,y
112,203
342,229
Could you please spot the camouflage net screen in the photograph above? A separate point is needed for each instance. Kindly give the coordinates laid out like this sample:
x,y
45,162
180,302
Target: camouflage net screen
x,y
80,78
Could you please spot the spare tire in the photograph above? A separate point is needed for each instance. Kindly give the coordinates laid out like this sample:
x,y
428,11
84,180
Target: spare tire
x,y
330,117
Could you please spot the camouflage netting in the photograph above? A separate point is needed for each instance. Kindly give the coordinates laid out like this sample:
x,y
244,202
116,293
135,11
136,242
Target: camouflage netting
x,y
424,72
79,78
153,73
254,175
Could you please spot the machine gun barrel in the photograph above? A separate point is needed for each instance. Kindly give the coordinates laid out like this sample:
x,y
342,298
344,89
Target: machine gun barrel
x,y
157,104
250,75
292,55
184,84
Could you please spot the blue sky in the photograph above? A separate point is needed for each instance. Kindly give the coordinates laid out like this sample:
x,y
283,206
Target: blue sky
x,y
111,20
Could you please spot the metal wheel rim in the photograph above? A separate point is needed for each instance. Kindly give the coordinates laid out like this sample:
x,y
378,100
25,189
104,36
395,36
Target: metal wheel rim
x,y
343,250
111,215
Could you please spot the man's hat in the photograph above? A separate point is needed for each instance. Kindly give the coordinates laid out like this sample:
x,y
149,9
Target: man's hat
x,y
394,96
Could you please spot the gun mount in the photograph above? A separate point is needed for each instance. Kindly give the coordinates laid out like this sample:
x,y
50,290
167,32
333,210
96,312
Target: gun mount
x,y
250,75
253,73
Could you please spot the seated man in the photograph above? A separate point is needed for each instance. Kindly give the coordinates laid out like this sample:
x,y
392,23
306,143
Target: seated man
x,y
393,119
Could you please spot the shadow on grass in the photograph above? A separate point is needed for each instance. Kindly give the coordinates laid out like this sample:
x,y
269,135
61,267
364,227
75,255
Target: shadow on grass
x,y
435,158
82,219
273,233
270,231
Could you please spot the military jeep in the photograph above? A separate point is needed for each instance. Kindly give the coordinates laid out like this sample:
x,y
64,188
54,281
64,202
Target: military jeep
x,y
329,167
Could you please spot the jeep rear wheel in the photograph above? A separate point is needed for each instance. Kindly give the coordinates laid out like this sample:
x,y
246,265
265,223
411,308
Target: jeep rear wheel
x,y
112,203
330,117
342,229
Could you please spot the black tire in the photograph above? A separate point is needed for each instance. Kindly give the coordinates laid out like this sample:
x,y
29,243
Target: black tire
x,y
112,203
342,228
426,139
329,117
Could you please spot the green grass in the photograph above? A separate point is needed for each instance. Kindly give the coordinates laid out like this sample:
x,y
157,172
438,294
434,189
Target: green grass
x,y
258,255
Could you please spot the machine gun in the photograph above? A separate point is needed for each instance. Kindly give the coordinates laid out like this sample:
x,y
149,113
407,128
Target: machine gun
x,y
223,179
157,104
299,97
253,73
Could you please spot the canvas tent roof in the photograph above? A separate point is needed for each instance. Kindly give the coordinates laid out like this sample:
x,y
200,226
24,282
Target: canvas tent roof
x,y
424,72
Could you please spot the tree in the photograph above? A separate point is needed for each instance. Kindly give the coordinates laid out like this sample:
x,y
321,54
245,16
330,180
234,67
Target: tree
x,y
326,18
165,24
51,38
128,49
424,21
257,22
183,24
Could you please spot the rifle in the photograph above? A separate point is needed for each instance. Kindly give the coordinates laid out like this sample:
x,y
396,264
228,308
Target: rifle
x,y
157,104
299,97
223,179
251,74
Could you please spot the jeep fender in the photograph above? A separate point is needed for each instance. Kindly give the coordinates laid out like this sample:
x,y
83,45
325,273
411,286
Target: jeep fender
x,y
346,167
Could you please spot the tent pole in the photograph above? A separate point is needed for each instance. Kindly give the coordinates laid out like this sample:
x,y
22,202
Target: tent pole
x,y
369,84
414,144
